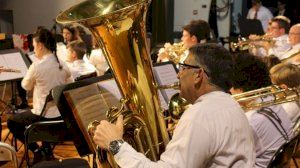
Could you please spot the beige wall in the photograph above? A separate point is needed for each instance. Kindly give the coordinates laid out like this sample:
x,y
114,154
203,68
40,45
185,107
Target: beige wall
x,y
28,14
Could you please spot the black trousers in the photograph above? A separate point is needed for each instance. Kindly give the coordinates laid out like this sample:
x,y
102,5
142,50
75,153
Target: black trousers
x,y
22,92
18,123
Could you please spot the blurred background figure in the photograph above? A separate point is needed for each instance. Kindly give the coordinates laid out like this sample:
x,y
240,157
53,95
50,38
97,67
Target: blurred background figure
x,y
261,13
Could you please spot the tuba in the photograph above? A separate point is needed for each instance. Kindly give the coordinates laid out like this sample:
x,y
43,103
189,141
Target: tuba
x,y
119,28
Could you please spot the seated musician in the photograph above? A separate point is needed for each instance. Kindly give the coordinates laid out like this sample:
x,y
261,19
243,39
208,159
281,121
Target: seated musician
x,y
78,67
276,39
270,125
69,34
41,76
197,31
97,58
213,132
288,76
293,55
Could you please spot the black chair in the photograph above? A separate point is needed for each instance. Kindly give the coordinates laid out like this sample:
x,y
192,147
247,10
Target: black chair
x,y
284,154
45,131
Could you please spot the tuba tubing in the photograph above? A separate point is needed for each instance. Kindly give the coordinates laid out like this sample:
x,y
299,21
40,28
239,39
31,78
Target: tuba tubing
x,y
119,28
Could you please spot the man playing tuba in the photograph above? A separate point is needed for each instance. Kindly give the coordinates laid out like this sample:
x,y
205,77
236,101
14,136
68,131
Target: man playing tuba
x,y
213,132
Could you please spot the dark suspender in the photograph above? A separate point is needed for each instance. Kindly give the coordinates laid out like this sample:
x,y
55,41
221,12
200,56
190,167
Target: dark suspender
x,y
271,115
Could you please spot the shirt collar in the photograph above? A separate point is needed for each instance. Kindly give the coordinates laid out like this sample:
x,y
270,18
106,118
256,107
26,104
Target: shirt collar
x,y
78,62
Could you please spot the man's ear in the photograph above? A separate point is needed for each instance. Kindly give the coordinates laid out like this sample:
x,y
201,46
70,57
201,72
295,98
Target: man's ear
x,y
194,39
198,76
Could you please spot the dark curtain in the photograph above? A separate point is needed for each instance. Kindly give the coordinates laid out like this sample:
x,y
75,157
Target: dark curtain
x,y
162,16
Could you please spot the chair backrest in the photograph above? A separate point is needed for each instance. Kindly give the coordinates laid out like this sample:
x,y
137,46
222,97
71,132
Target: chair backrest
x,y
8,153
82,77
45,131
284,154
48,131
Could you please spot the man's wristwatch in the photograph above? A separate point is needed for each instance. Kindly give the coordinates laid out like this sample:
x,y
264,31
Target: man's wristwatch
x,y
114,146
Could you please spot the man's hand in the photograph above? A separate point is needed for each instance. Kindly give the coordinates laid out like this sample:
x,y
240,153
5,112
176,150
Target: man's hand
x,y
107,132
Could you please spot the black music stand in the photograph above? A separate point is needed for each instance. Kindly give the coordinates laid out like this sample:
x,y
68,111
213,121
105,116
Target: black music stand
x,y
14,59
66,112
250,26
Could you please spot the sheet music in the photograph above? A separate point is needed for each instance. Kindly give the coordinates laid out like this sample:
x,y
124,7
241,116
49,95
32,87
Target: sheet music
x,y
165,75
12,61
91,102
112,87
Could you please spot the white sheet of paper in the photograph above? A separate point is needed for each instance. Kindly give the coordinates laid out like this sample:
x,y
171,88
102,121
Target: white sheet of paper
x,y
12,61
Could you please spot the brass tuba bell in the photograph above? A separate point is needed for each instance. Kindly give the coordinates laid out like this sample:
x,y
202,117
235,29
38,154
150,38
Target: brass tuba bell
x,y
119,28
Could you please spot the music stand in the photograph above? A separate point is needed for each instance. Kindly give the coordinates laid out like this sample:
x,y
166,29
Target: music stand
x,y
250,26
70,100
14,59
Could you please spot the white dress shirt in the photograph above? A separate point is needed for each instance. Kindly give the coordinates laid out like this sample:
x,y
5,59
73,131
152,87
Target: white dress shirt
x,y
295,48
79,68
61,51
293,110
263,14
266,136
98,60
281,46
42,76
213,132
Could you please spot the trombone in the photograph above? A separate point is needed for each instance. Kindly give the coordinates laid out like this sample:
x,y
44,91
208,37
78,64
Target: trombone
x,y
275,94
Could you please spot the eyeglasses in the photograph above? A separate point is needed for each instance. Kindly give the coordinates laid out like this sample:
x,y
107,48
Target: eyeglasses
x,y
183,66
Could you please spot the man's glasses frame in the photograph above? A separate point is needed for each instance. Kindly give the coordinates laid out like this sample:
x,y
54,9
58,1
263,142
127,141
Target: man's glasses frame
x,y
183,66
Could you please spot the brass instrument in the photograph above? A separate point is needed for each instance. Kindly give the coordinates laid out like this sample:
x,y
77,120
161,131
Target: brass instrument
x,y
175,52
245,44
258,98
119,28
177,104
